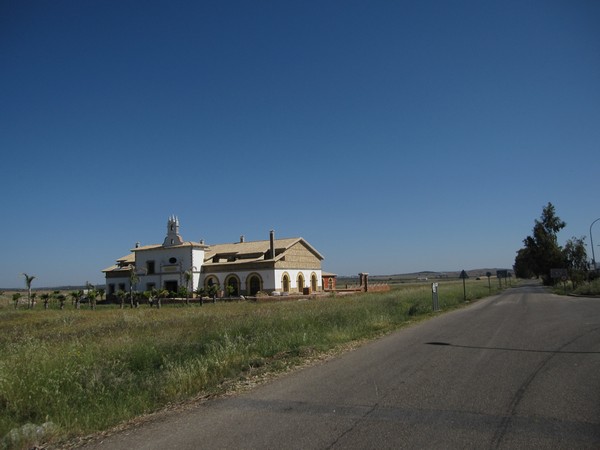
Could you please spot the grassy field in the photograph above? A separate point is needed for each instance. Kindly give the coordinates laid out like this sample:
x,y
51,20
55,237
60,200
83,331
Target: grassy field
x,y
67,373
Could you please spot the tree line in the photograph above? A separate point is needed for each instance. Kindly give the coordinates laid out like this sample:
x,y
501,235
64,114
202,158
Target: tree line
x,y
542,253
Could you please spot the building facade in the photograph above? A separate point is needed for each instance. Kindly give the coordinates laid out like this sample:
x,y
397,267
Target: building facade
x,y
241,268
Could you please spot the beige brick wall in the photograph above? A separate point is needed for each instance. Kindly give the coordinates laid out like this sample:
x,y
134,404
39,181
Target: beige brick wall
x,y
297,257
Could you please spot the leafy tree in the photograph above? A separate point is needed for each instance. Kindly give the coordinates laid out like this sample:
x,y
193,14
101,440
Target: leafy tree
x,y
16,297
541,252
28,280
213,289
200,292
230,290
576,259
101,292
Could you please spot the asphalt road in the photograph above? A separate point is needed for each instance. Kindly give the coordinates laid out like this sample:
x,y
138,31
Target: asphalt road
x,y
518,370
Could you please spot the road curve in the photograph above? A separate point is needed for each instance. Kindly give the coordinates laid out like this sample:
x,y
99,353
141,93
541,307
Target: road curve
x,y
517,370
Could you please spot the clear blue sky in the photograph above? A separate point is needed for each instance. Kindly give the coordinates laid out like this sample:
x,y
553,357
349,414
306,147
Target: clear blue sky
x,y
393,136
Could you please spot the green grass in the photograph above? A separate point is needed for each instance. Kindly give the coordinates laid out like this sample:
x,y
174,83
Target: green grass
x,y
73,372
592,288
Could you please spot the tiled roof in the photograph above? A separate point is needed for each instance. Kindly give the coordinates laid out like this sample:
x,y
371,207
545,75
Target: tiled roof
x,y
232,253
252,251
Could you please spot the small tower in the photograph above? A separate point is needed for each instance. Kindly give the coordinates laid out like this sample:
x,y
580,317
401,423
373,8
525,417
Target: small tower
x,y
173,237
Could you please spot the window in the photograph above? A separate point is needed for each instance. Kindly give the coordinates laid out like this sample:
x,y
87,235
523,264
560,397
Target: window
x,y
150,267
232,284
172,260
253,284
286,282
314,284
300,282
171,286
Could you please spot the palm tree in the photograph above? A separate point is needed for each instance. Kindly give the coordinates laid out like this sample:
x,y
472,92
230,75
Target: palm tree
x,y
121,296
162,293
61,299
16,296
92,294
76,296
46,298
133,280
101,292
28,280
188,276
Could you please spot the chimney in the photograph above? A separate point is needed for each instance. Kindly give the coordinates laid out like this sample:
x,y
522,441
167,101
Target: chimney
x,y
242,239
272,240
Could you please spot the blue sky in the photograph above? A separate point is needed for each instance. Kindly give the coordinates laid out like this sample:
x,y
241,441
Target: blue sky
x,y
393,136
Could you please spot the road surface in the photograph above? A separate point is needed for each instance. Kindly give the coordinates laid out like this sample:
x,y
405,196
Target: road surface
x,y
517,370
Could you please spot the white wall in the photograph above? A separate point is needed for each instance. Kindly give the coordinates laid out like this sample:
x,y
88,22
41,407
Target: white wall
x,y
293,274
186,257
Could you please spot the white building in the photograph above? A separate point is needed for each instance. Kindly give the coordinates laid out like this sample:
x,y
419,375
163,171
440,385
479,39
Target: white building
x,y
273,265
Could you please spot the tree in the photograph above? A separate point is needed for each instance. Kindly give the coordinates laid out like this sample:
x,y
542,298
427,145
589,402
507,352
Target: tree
x,y
46,299
61,299
121,294
133,280
76,296
542,252
162,293
576,259
101,292
16,297
92,296
188,276
28,280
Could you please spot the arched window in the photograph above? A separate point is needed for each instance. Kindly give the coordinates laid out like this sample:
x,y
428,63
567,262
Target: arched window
x,y
253,284
210,281
314,283
285,282
300,282
232,285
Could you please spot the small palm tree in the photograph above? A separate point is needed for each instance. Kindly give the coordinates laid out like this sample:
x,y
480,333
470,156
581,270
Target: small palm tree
x,y
61,299
76,296
163,293
101,292
121,294
28,280
133,280
16,296
188,276
46,299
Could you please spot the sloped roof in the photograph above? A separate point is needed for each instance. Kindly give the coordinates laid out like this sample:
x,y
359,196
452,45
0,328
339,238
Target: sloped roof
x,y
123,263
254,250
156,246
231,253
